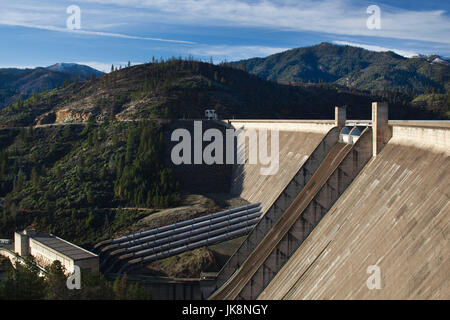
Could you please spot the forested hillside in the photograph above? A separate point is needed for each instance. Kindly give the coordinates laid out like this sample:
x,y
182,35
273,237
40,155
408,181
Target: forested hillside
x,y
353,67
74,180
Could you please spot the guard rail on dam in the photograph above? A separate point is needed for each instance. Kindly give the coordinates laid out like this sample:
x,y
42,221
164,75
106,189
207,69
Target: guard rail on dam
x,y
137,250
383,200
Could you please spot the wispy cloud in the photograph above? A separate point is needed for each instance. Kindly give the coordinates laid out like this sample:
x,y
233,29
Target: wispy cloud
x,y
230,52
40,17
343,17
91,33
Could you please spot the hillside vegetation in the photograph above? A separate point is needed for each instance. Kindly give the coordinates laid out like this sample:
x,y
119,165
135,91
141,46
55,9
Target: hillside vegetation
x,y
73,180
185,88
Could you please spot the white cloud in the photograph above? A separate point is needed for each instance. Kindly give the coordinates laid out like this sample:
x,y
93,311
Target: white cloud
x,y
87,32
19,66
225,52
407,54
43,17
338,17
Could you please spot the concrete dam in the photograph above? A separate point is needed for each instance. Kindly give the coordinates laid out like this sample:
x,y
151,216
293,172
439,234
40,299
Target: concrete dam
x,y
350,197
358,209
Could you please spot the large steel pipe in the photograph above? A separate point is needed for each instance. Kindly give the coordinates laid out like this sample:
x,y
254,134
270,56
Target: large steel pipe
x,y
165,254
100,245
107,251
165,247
187,228
177,234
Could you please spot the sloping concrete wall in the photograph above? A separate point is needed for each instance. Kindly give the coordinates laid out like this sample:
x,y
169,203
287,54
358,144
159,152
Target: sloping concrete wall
x,y
335,173
283,201
395,215
297,140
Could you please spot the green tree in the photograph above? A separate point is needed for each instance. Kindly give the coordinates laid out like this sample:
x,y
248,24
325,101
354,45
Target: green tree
x,y
123,290
120,287
34,177
23,282
56,282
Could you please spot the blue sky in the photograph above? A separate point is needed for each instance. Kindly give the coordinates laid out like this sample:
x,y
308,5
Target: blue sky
x,y
34,33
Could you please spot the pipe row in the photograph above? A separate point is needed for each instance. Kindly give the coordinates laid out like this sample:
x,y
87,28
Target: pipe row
x,y
189,227
183,242
100,245
165,254
182,233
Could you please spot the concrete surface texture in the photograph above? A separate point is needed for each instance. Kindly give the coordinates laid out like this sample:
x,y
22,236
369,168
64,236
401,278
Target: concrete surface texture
x,y
335,173
297,140
234,286
394,216
279,206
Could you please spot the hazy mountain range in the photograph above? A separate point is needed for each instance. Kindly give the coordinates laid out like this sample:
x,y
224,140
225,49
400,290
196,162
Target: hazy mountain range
x,y
21,83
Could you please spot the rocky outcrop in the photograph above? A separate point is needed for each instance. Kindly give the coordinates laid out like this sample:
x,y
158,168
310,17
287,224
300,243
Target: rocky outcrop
x,y
68,115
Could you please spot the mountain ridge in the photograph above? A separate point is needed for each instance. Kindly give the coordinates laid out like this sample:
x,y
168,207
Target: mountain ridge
x,y
184,89
353,67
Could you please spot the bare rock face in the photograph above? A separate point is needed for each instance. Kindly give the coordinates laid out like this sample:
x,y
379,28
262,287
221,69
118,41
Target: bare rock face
x,y
68,115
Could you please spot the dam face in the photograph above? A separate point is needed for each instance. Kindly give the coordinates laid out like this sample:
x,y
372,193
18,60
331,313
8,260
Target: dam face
x,y
297,141
336,210
395,215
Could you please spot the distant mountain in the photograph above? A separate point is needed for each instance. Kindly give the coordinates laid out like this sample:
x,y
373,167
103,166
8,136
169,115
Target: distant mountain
x,y
353,67
433,58
22,83
73,68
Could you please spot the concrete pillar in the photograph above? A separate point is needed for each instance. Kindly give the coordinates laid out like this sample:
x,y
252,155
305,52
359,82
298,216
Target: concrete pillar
x,y
21,246
340,116
380,128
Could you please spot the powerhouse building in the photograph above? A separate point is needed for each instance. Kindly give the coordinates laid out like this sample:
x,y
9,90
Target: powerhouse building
x,y
46,248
